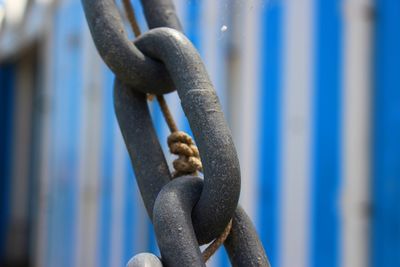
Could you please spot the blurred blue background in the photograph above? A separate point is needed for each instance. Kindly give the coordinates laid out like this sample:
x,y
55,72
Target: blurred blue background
x,y
310,89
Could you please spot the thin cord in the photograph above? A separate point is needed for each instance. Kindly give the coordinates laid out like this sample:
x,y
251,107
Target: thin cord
x,y
167,114
214,246
130,13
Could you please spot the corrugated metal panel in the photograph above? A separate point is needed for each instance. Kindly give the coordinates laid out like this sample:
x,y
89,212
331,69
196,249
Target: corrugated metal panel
x,y
293,79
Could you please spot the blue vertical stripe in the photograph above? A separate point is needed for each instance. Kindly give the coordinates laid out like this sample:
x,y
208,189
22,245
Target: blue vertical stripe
x,y
326,135
129,213
385,236
106,183
7,89
270,98
65,129
191,24
139,16
158,121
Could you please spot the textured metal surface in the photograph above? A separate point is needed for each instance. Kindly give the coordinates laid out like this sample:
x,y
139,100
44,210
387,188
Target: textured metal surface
x,y
149,164
119,53
243,245
173,223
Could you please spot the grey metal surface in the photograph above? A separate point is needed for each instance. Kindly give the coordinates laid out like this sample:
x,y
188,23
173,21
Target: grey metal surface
x,y
243,245
120,54
149,164
173,223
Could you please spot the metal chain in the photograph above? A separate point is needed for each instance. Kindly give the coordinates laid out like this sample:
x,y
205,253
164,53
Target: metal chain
x,y
186,211
180,143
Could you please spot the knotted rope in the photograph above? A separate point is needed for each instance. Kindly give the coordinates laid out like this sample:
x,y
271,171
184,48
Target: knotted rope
x,y
180,144
188,161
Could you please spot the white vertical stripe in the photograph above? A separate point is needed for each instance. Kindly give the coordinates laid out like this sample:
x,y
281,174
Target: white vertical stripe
x,y
89,169
234,73
215,15
118,201
208,39
244,99
356,143
296,145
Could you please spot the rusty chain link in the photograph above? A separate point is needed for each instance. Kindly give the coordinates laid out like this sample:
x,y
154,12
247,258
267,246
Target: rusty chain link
x,y
187,211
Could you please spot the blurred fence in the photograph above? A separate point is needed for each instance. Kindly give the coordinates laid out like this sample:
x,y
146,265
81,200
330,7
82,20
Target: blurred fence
x,y
311,91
